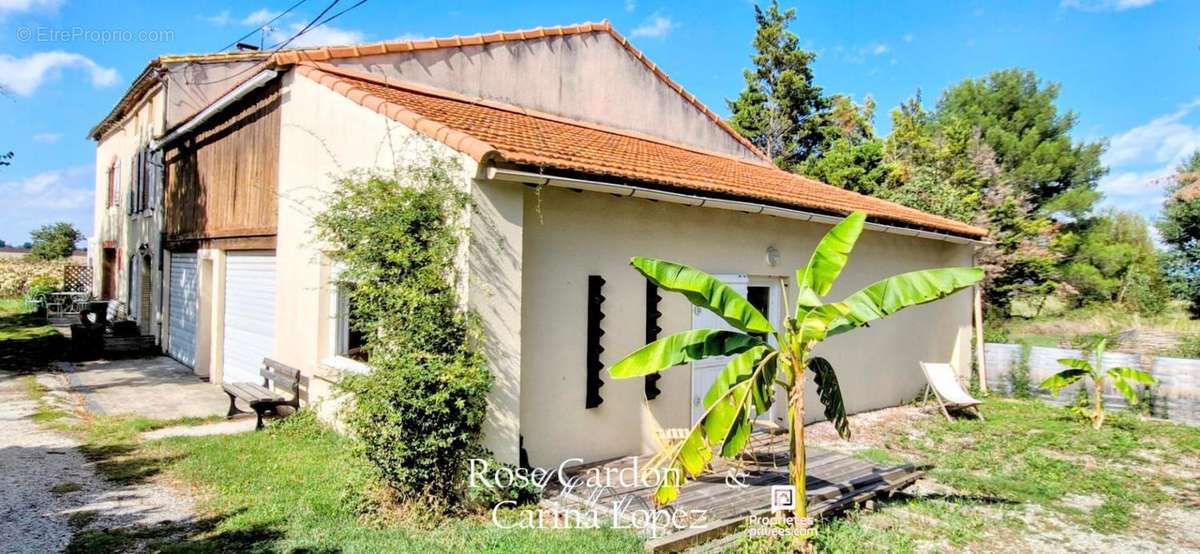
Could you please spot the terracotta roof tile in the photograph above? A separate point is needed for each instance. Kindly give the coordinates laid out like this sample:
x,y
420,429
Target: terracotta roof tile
x,y
485,130
1189,192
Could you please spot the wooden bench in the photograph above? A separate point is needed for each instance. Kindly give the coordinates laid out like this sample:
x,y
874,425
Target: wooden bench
x,y
263,398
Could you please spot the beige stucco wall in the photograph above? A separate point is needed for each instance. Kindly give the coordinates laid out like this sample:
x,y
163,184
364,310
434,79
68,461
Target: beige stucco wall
x,y
323,135
570,235
114,223
589,77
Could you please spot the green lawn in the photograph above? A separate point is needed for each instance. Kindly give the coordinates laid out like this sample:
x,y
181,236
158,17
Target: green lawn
x,y
295,487
27,342
1028,468
299,487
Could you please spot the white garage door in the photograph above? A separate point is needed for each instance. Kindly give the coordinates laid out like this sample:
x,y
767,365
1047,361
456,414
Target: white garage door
x,y
249,314
182,309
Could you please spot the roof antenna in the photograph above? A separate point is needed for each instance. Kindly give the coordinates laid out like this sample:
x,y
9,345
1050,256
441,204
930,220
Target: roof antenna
x,y
243,47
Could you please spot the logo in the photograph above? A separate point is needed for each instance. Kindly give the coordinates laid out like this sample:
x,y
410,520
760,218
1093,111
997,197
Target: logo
x,y
783,498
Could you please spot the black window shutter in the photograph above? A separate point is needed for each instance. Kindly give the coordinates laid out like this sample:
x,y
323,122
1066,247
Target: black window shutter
x,y
652,330
594,332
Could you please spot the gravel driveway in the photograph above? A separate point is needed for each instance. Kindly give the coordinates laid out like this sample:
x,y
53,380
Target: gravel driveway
x,y
48,490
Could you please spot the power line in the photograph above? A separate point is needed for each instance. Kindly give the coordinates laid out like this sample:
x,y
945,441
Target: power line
x,y
262,27
330,18
275,50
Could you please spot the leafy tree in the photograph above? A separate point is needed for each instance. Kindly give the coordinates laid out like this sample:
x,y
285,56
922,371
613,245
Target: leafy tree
x,y
1123,379
933,167
1111,258
780,110
747,384
27,245
942,166
3,244
6,159
1016,116
850,155
1180,231
54,241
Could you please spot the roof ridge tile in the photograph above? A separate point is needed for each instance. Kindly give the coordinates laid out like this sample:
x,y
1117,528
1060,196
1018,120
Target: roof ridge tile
x,y
604,26
485,129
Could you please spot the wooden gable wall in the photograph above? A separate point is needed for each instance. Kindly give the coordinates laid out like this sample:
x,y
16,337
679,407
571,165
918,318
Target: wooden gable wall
x,y
222,179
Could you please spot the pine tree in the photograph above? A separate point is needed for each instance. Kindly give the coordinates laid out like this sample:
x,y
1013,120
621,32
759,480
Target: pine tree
x,y
781,110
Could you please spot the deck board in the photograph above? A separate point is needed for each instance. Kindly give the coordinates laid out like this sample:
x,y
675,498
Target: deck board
x,y
834,481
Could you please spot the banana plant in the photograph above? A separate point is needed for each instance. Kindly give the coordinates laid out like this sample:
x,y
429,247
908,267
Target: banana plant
x,y
1123,379
746,385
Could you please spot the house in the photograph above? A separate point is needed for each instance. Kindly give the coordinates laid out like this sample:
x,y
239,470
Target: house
x,y
126,250
578,153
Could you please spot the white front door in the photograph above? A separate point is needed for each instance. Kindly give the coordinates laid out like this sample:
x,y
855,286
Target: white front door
x,y
764,294
249,315
182,310
705,372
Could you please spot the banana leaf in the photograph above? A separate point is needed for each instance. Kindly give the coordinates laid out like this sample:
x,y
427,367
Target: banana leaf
x,y
681,348
893,294
828,259
705,291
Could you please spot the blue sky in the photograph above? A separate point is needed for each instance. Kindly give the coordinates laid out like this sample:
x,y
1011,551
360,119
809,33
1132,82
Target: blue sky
x,y
1128,68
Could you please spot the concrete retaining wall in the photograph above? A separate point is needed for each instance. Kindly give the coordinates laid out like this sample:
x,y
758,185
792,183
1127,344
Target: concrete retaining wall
x,y
1175,397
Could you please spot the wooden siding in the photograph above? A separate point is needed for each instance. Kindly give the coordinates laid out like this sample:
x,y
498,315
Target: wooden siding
x,y
222,179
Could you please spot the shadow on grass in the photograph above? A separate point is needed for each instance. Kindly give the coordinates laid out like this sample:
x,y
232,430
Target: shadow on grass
x,y
976,499
28,343
193,537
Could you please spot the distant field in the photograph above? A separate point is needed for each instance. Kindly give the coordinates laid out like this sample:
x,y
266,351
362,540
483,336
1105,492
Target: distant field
x,y
1056,326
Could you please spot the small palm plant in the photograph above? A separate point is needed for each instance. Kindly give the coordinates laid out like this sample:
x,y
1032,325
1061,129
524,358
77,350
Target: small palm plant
x,y
746,385
1123,379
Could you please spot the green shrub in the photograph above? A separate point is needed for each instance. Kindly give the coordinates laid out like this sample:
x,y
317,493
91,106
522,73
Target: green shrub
x,y
1019,375
498,486
418,415
1187,347
42,285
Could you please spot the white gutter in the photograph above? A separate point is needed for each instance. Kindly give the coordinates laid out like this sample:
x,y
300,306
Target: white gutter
x,y
525,177
212,109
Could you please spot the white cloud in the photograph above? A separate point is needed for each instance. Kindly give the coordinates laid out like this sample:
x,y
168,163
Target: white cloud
x,y
630,5
222,18
909,37
655,26
1105,5
260,17
46,138
23,76
1143,159
879,49
324,35
58,189
24,6
56,195
1164,139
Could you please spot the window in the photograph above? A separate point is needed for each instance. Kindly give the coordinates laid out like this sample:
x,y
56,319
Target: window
x,y
347,351
350,339
144,180
114,182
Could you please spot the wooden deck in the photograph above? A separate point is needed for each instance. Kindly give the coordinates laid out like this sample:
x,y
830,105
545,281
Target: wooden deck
x,y
714,508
